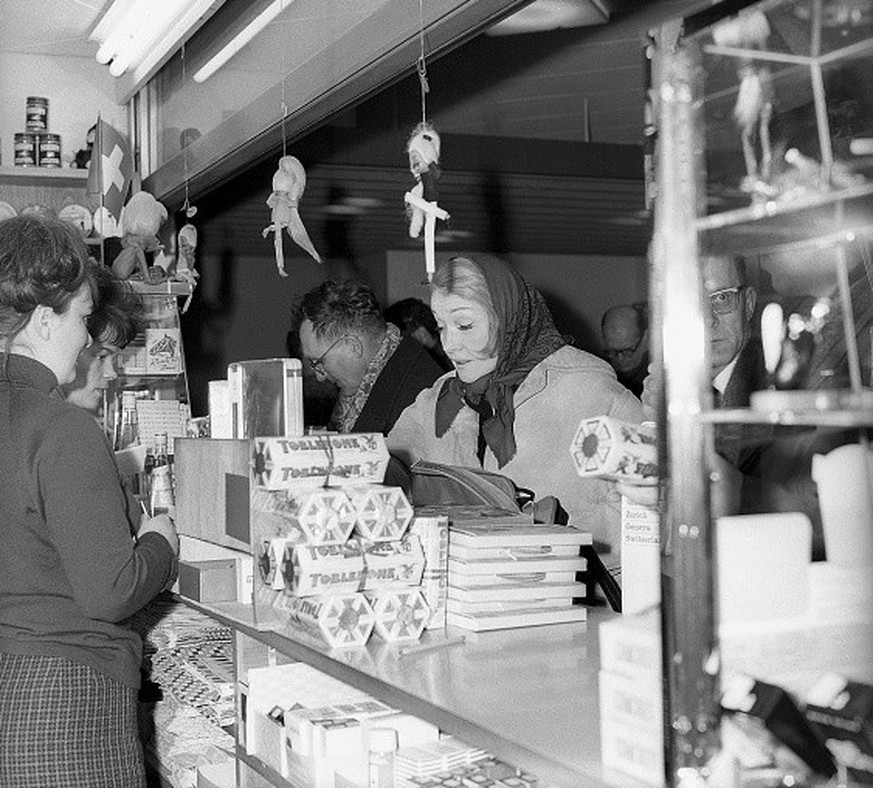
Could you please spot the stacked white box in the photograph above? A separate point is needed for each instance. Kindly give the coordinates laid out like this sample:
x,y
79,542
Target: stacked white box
x,y
631,701
496,571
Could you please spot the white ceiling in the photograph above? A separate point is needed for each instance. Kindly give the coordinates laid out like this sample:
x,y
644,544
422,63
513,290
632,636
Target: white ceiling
x,y
49,27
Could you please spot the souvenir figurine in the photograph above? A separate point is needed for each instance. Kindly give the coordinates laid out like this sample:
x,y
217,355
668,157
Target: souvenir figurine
x,y
289,182
141,219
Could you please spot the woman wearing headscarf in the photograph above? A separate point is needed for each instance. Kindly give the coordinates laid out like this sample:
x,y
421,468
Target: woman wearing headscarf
x,y
70,571
517,394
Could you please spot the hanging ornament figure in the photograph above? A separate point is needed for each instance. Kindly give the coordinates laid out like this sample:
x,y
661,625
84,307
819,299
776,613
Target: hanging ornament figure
x,y
289,182
753,109
421,201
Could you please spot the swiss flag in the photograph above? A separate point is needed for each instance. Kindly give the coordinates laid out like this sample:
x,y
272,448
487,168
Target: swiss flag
x,y
111,168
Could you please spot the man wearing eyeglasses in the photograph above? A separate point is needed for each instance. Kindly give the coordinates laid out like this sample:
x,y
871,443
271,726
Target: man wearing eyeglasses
x,y
345,339
625,332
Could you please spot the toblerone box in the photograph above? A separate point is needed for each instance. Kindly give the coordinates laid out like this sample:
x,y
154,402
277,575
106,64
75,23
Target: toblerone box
x,y
608,448
433,533
325,569
314,516
383,512
400,615
392,565
318,460
339,620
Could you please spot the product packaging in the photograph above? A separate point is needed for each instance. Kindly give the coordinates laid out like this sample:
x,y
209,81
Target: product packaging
x,y
382,512
400,615
266,397
339,620
608,448
319,460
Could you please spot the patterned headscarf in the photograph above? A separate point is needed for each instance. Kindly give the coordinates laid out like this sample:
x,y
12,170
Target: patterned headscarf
x,y
527,335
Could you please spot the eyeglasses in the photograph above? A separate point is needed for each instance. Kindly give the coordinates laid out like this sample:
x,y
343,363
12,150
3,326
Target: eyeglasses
x,y
725,301
317,364
625,352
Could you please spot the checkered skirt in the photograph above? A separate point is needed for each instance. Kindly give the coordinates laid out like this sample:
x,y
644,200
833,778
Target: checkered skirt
x,y
65,725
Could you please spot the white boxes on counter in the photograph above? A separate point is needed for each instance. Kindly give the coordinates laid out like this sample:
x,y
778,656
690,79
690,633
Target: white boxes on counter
x,y
505,574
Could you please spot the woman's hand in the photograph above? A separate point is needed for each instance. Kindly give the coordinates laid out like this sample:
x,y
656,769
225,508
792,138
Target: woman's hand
x,y
163,525
643,493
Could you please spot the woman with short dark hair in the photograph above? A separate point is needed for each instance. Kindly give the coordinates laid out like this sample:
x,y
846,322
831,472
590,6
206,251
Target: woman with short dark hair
x,y
71,570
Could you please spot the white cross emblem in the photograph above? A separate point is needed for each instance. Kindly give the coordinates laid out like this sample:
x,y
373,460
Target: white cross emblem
x,y
112,175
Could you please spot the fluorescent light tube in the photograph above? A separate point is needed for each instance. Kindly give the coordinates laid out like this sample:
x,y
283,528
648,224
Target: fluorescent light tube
x,y
241,39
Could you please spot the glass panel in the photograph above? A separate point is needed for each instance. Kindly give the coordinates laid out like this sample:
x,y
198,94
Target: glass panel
x,y
189,109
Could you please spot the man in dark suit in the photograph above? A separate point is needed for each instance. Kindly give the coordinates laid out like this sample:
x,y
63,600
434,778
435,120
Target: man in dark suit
x,y
345,339
763,468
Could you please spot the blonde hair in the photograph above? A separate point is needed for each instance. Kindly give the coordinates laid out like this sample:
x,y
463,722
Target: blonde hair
x,y
462,277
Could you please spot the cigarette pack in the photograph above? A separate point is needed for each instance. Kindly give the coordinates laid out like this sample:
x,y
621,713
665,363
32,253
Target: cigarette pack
x,y
433,533
266,397
382,511
340,620
319,460
608,448
400,615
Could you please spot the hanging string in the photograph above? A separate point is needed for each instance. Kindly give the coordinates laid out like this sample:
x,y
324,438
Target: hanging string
x,y
422,64
186,206
284,103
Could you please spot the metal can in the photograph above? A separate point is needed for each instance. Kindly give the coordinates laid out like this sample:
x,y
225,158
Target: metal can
x,y
25,149
49,150
37,114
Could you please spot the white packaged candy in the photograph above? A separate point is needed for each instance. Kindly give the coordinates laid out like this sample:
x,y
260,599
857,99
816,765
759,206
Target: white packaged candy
x,y
318,460
338,619
608,448
400,615
322,515
383,512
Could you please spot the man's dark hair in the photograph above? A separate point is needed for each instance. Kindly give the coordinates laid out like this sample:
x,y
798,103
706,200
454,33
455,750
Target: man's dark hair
x,y
337,308
408,314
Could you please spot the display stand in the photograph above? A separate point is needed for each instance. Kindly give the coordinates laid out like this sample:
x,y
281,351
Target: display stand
x,y
805,221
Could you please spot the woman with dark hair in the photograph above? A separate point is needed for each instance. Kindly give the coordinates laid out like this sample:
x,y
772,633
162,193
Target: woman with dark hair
x,y
70,570
517,395
115,321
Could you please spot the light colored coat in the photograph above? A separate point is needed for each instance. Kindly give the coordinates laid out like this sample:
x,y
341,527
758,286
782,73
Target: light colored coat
x,y
558,393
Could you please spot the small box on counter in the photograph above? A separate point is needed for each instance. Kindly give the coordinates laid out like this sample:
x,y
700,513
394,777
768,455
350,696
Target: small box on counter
x,y
382,512
326,569
609,448
319,460
208,581
841,711
266,397
220,421
433,533
193,551
340,620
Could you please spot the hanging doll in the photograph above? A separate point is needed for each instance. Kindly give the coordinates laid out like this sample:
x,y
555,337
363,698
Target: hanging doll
x,y
753,110
421,201
423,149
186,244
289,182
141,218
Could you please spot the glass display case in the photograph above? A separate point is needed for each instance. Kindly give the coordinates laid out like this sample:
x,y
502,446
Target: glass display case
x,y
151,372
764,152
